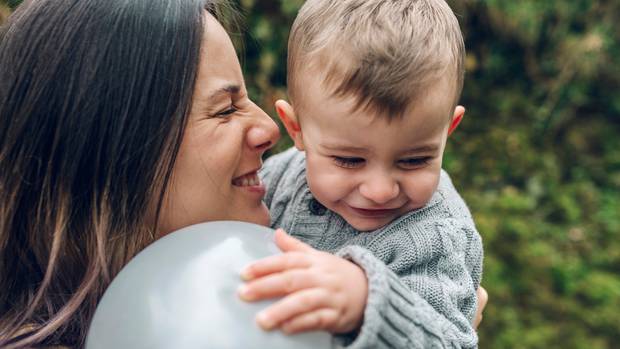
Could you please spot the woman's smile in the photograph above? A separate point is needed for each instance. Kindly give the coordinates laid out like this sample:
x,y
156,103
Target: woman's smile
x,y
250,182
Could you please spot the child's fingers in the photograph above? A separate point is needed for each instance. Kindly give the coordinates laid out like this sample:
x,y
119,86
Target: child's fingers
x,y
292,306
320,319
277,285
275,264
287,243
483,297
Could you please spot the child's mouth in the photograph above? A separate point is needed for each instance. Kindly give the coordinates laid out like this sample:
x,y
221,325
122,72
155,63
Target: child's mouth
x,y
374,213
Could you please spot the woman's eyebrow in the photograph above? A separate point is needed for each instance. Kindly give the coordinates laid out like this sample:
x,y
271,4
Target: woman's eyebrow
x,y
226,90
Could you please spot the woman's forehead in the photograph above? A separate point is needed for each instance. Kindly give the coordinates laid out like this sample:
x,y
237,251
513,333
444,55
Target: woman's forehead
x,y
219,66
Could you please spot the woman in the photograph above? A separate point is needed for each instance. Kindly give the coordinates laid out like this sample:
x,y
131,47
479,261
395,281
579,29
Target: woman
x,y
120,121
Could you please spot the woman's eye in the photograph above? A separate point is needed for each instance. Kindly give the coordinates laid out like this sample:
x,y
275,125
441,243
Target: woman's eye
x,y
414,162
227,112
348,162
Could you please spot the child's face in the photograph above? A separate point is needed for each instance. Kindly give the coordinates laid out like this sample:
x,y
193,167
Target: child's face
x,y
367,169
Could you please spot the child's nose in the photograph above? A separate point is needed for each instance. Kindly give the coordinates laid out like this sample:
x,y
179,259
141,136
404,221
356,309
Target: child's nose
x,y
380,189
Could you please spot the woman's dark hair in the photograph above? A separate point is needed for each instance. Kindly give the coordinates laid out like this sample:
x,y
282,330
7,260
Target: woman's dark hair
x,y
94,98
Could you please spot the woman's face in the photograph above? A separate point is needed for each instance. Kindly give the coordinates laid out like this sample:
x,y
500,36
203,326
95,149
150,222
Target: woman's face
x,y
215,174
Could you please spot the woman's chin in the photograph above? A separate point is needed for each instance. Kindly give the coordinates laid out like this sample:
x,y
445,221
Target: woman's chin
x,y
260,216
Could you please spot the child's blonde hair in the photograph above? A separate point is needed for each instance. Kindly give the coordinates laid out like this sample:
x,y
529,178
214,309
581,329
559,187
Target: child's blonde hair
x,y
385,53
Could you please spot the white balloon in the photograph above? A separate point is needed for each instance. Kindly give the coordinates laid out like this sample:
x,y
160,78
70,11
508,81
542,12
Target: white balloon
x,y
181,292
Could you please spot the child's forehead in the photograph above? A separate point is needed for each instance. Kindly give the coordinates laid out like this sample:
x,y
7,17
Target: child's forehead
x,y
358,136
318,98
334,126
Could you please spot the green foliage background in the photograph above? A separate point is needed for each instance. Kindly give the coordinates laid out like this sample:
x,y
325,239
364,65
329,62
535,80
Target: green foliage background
x,y
537,158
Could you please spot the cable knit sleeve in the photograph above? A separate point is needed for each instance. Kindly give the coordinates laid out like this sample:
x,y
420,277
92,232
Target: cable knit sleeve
x,y
422,281
398,313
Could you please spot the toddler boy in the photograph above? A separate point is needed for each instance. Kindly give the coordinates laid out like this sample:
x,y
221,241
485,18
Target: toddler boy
x,y
390,256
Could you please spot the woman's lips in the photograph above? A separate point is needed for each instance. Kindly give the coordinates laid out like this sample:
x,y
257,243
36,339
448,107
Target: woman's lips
x,y
248,180
251,182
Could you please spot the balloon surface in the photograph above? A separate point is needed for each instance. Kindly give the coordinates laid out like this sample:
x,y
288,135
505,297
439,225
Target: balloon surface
x,y
181,292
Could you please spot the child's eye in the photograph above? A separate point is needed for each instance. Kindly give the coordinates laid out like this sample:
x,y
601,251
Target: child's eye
x,y
348,162
413,163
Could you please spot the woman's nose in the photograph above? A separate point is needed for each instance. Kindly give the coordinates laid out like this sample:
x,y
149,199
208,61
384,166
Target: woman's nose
x,y
380,189
264,134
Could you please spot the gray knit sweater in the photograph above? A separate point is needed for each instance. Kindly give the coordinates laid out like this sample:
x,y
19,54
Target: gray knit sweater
x,y
423,269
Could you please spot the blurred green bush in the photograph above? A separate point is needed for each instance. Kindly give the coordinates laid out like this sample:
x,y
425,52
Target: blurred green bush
x,y
537,158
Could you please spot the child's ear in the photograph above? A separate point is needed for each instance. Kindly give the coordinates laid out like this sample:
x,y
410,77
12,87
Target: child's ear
x,y
289,119
459,112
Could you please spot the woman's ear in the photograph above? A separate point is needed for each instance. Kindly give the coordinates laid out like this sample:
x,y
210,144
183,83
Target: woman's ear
x,y
459,112
289,119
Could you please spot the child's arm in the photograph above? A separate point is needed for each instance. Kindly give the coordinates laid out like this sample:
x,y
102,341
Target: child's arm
x,y
414,306
423,277
391,314
321,291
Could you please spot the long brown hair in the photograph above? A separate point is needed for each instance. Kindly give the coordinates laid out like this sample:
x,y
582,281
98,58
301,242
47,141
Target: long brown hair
x,y
94,97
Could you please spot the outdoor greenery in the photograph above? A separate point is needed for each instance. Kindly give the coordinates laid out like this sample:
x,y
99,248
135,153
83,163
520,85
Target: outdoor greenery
x,y
537,158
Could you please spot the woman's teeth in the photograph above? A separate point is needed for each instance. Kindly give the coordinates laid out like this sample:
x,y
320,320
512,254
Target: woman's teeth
x,y
247,180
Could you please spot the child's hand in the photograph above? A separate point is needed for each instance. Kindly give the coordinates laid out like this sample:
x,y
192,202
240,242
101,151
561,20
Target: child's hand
x,y
321,291
483,298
